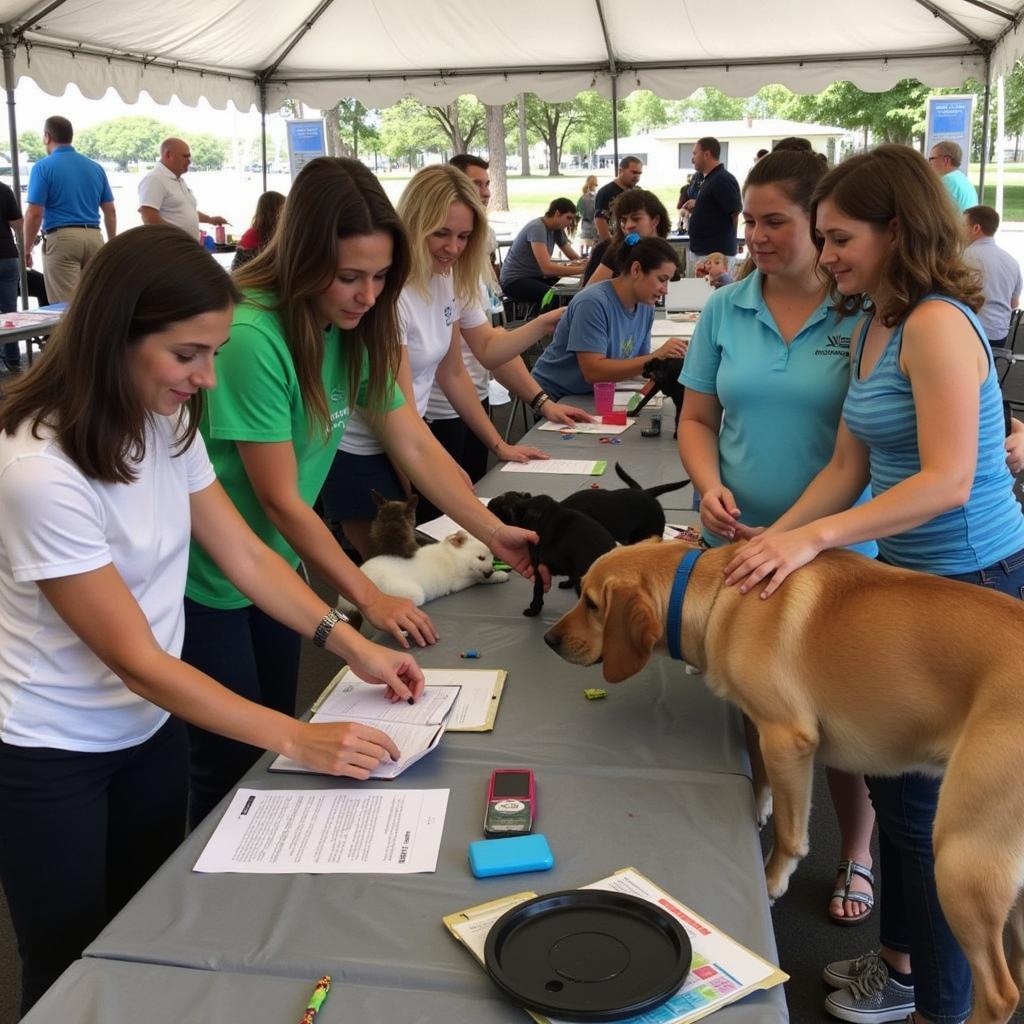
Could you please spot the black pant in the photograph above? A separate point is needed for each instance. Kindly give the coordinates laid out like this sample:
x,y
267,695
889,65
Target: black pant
x,y
464,447
529,289
79,835
252,655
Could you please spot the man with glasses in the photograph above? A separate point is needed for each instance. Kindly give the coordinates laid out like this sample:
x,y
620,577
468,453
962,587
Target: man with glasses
x,y
945,158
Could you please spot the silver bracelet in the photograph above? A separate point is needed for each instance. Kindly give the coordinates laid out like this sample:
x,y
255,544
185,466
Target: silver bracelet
x,y
327,623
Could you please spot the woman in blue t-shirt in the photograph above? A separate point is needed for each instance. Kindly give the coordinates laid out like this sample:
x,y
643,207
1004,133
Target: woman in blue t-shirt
x,y
766,374
923,424
605,334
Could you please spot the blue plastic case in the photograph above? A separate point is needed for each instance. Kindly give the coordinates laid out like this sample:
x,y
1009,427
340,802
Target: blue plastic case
x,y
510,856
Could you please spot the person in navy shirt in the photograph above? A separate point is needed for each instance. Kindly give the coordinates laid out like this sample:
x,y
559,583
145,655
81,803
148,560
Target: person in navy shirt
x,y
605,334
67,193
715,210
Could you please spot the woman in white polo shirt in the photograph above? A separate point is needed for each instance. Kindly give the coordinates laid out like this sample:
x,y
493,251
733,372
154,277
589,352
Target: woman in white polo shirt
x,y
766,374
103,480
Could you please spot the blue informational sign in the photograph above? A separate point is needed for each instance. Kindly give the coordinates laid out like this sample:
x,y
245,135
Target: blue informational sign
x,y
307,139
950,118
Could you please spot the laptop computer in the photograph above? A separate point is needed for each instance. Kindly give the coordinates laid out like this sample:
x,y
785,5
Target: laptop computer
x,y
688,293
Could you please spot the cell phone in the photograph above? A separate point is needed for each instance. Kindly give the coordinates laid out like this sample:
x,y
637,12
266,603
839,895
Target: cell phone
x,y
511,803
653,428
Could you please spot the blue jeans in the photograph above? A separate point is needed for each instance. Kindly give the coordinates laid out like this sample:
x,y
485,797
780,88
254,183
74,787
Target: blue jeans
x,y
911,918
252,655
10,271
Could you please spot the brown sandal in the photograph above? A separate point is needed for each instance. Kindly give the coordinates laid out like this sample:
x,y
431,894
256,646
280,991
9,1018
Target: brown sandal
x,y
843,892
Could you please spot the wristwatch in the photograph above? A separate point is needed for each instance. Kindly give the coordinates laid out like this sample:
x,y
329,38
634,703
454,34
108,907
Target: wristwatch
x,y
327,623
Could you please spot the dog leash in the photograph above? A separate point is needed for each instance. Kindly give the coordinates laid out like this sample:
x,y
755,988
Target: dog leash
x,y
675,602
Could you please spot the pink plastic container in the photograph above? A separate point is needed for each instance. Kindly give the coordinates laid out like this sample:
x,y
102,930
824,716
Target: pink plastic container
x,y
604,397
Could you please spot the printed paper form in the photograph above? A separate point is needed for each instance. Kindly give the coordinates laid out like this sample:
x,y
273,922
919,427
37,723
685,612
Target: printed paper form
x,y
416,728
565,467
480,690
586,428
721,972
329,831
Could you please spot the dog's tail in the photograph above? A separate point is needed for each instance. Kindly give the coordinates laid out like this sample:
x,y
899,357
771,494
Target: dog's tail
x,y
652,491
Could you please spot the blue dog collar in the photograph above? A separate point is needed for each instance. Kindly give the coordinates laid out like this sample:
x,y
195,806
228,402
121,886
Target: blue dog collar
x,y
675,602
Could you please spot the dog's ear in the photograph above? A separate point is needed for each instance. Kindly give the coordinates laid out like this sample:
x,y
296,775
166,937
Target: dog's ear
x,y
458,540
378,498
631,630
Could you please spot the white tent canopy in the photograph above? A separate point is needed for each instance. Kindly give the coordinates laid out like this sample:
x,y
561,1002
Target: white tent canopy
x,y
380,50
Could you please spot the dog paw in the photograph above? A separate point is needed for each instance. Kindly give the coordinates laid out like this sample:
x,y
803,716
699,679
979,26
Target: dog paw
x,y
690,670
498,576
763,801
531,612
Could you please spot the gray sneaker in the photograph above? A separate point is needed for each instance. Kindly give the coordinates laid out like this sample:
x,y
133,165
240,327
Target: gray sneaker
x,y
840,973
872,996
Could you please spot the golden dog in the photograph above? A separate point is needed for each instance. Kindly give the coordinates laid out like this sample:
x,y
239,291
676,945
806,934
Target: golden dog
x,y
880,671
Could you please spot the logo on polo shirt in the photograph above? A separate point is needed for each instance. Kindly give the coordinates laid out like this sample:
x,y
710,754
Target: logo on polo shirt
x,y
835,345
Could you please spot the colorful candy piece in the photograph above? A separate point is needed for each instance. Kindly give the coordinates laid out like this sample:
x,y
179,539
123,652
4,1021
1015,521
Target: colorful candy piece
x,y
595,694
470,654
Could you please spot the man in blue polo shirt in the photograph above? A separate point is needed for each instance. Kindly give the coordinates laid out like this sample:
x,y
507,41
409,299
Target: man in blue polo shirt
x,y
67,193
716,209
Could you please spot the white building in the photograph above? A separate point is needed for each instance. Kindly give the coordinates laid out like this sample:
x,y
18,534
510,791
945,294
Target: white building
x,y
666,151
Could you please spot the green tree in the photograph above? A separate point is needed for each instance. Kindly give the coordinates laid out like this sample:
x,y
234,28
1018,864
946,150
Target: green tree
x,y
30,146
594,127
769,101
552,122
461,121
644,112
208,151
124,140
355,127
407,130
707,105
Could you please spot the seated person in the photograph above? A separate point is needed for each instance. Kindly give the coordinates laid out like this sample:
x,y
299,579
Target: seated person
x,y
715,267
606,331
636,212
258,234
528,271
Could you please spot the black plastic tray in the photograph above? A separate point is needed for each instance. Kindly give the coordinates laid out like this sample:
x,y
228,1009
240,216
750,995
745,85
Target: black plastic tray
x,y
588,955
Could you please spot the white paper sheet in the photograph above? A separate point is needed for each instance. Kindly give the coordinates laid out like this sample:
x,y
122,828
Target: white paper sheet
x,y
623,398
416,728
568,467
671,329
476,692
587,428
444,526
328,831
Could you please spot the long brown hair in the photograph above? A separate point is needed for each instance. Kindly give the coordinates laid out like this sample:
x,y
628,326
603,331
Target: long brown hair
x,y
795,170
894,186
138,284
333,198
268,213
633,200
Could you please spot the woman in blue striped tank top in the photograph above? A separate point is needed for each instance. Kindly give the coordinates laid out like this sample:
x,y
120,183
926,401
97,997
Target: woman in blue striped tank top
x,y
923,424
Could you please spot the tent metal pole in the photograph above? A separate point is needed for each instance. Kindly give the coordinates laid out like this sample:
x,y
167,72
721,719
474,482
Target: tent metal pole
x,y
986,117
263,130
10,48
615,123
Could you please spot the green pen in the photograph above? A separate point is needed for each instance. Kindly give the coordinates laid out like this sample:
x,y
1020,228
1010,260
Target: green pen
x,y
316,1000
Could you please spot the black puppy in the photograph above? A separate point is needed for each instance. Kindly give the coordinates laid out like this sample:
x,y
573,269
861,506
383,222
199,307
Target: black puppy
x,y
629,514
570,542
664,375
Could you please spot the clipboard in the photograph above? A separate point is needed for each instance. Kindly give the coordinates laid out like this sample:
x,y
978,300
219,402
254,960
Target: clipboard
x,y
477,920
469,679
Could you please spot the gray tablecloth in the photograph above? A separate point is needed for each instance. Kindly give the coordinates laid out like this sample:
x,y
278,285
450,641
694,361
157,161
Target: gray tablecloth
x,y
654,777
121,992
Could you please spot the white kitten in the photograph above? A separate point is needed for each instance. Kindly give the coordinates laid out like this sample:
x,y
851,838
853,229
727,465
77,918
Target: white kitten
x,y
458,562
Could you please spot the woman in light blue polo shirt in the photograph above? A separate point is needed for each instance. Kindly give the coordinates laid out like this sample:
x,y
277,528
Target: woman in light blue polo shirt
x,y
766,374
605,334
923,422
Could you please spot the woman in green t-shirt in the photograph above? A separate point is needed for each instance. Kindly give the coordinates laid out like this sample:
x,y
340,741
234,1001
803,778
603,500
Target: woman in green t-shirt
x,y
316,336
